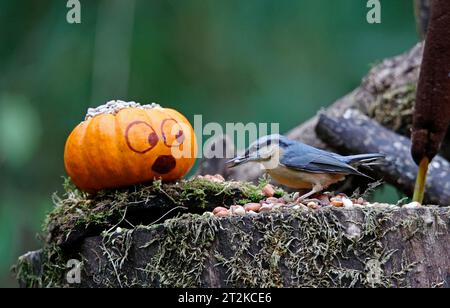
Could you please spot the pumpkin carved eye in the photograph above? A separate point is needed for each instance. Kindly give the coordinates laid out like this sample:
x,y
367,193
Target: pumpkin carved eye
x,y
141,137
172,133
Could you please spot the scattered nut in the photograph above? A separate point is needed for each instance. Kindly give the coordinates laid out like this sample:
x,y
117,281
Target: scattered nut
x,y
313,205
252,207
271,200
265,208
337,203
347,202
213,178
268,191
277,206
222,214
282,200
412,205
237,210
219,209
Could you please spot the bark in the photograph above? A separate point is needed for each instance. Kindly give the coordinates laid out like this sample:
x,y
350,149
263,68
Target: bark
x,y
371,247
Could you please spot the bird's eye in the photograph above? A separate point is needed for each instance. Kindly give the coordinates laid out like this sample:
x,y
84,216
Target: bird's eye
x,y
172,133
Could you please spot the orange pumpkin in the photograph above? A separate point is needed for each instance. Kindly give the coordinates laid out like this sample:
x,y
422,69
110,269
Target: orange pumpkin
x,y
126,143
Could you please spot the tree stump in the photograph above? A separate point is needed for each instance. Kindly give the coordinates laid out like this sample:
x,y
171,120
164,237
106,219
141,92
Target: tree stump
x,y
374,245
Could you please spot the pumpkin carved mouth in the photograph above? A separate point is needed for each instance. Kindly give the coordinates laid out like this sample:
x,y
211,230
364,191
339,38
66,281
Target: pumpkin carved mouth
x,y
164,164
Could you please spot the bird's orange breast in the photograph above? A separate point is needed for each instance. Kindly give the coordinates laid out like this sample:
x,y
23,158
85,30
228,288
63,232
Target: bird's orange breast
x,y
303,180
292,182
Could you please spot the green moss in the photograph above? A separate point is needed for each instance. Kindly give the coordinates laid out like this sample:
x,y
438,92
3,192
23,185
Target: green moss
x,y
182,251
315,247
48,271
115,247
394,108
76,210
26,273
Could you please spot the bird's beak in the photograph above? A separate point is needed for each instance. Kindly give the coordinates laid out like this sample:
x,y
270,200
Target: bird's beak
x,y
239,160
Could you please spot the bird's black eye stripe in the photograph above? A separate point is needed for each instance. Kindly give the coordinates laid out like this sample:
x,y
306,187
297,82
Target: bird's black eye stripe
x,y
269,142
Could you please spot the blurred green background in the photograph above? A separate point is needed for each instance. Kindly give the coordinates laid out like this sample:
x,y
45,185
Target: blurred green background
x,y
230,60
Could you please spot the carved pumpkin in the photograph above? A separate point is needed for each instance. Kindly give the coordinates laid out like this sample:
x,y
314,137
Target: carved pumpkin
x,y
122,144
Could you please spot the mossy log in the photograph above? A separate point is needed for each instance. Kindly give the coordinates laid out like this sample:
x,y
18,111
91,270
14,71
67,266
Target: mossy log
x,y
375,246
275,251
78,215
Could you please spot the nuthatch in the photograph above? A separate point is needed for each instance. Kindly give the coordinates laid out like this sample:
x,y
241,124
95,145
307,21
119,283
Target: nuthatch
x,y
301,166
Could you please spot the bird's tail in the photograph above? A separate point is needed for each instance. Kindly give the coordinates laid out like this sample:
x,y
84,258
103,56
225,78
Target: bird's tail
x,y
364,159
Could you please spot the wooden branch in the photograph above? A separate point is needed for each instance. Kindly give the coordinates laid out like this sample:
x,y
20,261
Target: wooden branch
x,y
354,133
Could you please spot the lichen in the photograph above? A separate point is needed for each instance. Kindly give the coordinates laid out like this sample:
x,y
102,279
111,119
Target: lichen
x,y
295,248
315,249
182,251
115,247
49,271
394,108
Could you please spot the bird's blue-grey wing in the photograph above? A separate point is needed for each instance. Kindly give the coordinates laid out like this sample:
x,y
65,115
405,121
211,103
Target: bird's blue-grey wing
x,y
316,162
